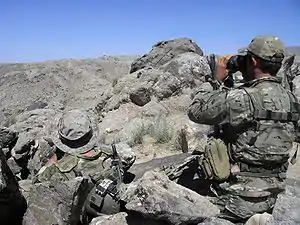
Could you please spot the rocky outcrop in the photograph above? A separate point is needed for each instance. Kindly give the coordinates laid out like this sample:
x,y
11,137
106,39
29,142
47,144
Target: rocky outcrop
x,y
12,202
7,137
156,197
164,51
116,219
56,203
216,221
125,219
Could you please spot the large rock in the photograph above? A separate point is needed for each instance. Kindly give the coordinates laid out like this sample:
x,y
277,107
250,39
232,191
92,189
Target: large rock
x,y
217,221
155,196
34,124
296,83
139,88
139,169
286,210
12,203
116,219
7,137
24,143
56,203
163,51
123,218
296,66
260,219
190,68
40,156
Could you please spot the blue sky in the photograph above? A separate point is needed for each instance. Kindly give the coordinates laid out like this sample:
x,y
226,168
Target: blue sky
x,y
41,30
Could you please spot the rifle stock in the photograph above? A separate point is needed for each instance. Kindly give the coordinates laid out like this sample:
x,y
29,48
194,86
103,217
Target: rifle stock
x,y
116,161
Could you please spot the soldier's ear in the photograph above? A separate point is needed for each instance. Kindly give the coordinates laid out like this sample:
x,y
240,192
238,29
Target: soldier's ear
x,y
254,61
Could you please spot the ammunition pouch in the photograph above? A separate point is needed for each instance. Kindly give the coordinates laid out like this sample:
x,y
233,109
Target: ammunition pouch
x,y
67,163
102,199
215,163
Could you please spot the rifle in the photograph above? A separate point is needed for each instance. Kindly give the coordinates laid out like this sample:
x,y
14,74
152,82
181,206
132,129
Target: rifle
x,y
117,163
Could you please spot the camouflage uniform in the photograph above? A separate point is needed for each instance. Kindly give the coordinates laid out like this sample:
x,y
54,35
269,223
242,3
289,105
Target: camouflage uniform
x,y
77,139
258,122
79,153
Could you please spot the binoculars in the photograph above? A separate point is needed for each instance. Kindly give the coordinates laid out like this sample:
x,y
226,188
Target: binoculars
x,y
236,63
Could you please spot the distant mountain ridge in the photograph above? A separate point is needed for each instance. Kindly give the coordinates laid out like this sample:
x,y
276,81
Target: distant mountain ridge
x,y
293,50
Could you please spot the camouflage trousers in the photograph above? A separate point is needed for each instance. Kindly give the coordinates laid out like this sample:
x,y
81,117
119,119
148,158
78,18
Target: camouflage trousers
x,y
238,197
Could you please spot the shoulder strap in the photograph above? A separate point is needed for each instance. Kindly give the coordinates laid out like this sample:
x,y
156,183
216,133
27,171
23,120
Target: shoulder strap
x,y
261,113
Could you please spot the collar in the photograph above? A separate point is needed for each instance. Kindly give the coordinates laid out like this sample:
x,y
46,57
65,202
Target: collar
x,y
253,83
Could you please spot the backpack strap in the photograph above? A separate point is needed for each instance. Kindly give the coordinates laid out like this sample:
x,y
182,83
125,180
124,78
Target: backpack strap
x,y
261,113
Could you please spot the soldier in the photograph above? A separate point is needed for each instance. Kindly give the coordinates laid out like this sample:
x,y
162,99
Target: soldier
x,y
248,159
79,153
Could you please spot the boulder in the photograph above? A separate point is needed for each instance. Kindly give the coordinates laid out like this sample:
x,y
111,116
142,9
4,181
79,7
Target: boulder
x,y
14,166
190,68
123,218
296,66
163,51
140,169
286,210
37,105
296,82
140,96
56,202
36,123
7,137
116,219
139,88
260,219
216,221
40,156
24,143
154,196
25,186
166,86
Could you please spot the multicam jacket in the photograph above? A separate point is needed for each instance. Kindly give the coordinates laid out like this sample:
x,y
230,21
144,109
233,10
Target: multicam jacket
x,y
258,120
257,115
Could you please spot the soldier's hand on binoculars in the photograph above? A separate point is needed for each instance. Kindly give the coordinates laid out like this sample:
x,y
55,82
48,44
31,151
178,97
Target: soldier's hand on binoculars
x,y
221,70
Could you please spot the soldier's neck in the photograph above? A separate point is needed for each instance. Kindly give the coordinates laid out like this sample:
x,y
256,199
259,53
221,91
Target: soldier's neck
x,y
262,75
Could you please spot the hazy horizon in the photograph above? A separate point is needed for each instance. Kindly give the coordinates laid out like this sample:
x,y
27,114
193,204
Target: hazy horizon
x,y
52,30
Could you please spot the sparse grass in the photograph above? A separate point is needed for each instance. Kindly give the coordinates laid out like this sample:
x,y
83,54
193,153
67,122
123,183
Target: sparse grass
x,y
138,133
114,82
180,142
160,130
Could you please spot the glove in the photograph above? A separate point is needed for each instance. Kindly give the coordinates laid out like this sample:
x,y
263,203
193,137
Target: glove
x,y
221,70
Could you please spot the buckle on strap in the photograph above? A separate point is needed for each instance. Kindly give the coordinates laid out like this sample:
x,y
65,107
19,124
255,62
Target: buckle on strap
x,y
276,116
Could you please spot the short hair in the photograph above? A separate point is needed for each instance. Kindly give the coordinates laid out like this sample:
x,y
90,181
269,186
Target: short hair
x,y
267,66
